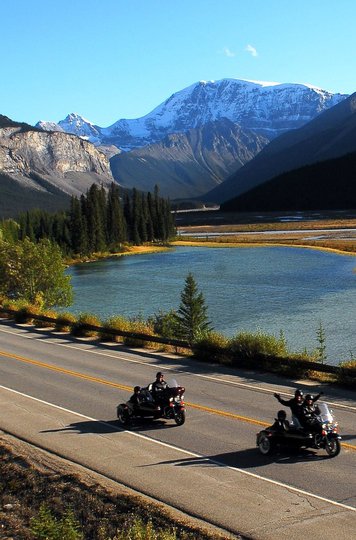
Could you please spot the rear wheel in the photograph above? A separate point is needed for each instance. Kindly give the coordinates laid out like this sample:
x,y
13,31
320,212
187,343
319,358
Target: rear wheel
x,y
123,415
265,445
180,418
333,447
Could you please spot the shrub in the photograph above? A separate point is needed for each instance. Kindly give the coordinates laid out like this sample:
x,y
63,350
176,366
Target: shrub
x,y
47,527
26,313
139,326
165,324
254,349
114,323
46,324
344,376
213,347
65,322
137,529
79,328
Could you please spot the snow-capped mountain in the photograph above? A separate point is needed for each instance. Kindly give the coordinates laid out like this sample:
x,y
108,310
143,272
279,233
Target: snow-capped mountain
x,y
268,108
76,125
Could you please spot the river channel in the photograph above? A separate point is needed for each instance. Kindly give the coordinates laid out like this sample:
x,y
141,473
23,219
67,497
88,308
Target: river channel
x,y
270,289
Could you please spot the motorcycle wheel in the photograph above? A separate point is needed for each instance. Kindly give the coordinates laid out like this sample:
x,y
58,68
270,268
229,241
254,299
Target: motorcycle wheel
x,y
123,416
333,447
180,418
265,445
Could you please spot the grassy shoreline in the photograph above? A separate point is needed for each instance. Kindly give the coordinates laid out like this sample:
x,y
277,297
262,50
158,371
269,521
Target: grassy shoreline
x,y
234,244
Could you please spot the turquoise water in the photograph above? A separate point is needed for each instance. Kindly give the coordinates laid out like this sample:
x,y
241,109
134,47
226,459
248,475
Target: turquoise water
x,y
267,289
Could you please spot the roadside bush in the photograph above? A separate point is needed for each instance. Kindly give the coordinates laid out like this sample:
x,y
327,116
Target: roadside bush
x,y
65,321
139,530
114,323
79,328
139,326
26,313
165,323
46,324
256,350
47,527
213,347
344,376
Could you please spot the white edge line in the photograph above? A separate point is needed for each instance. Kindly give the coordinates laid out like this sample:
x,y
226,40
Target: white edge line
x,y
168,368
192,454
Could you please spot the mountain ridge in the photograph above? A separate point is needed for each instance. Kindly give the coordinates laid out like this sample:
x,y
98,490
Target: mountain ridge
x,y
269,110
329,135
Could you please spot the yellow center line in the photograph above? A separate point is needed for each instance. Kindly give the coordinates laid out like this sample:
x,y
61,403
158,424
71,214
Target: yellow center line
x,y
129,389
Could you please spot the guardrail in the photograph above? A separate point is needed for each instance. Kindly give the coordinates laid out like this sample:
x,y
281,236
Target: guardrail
x,y
282,362
103,330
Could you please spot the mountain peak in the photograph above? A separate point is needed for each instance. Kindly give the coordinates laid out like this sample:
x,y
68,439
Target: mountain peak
x,y
269,108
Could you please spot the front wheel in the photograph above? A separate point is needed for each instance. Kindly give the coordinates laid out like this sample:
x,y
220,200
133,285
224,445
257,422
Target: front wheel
x,y
180,418
265,445
332,447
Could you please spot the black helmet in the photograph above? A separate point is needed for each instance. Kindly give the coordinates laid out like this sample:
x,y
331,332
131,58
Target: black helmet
x,y
281,415
299,392
309,397
137,389
159,374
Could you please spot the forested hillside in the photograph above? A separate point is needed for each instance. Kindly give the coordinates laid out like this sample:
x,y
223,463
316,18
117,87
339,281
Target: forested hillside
x,y
101,221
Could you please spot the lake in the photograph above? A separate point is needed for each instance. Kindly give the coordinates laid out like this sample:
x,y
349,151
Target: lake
x,y
271,289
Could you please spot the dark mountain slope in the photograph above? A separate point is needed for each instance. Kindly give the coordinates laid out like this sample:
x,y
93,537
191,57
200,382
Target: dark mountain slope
x,y
331,134
16,198
188,164
329,185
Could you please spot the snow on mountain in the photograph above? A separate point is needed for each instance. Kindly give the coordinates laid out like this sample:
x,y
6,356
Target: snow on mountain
x,y
268,108
75,124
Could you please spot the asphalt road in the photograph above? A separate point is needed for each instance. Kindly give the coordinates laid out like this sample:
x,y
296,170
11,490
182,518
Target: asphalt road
x,y
61,394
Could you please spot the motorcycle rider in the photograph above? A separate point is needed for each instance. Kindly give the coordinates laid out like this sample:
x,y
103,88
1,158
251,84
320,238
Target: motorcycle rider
x,y
295,403
310,419
133,402
158,387
281,423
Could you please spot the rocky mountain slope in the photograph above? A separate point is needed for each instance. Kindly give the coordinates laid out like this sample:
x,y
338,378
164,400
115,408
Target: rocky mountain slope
x,y
42,169
330,135
172,137
267,108
188,164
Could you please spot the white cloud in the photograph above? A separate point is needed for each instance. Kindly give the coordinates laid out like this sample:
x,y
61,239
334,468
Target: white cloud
x,y
251,50
229,53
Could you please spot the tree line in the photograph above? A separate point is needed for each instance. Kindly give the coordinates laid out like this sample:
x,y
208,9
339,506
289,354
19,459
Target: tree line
x,y
101,220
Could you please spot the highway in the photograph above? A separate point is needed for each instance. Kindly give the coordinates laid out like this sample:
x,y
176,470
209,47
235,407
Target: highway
x,y
61,394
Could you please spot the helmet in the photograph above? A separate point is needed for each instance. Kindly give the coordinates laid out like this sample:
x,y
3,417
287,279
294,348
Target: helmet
x,y
281,415
137,389
159,374
309,397
299,392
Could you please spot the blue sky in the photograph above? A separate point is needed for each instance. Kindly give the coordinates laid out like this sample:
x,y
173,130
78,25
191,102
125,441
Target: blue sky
x,y
122,58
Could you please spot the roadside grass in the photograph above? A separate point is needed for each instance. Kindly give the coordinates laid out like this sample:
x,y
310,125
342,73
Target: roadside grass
x,y
49,501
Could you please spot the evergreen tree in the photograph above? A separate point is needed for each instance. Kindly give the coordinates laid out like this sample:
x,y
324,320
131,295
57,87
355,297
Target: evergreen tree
x,y
77,228
192,319
116,225
95,219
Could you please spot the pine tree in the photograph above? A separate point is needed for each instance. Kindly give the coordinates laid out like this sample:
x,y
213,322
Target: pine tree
x,y
116,225
192,319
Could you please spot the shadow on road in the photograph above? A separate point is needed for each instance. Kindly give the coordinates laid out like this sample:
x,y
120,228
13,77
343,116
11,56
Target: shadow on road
x,y
99,427
96,427
246,459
